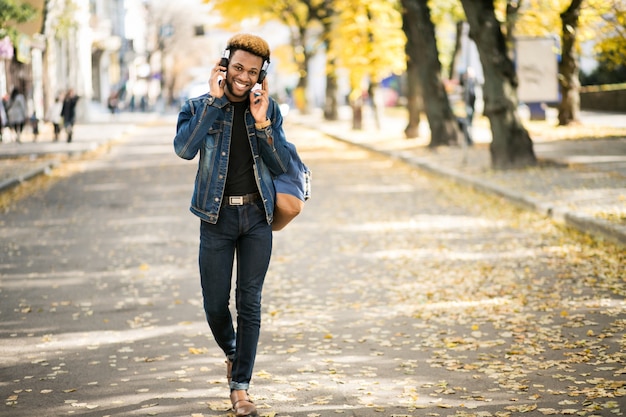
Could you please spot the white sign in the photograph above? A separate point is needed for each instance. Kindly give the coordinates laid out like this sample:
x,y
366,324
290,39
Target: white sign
x,y
537,70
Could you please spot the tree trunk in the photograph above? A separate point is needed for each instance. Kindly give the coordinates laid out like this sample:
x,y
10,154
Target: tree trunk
x,y
511,146
375,99
302,61
456,55
415,103
300,98
569,107
331,111
422,49
512,16
356,103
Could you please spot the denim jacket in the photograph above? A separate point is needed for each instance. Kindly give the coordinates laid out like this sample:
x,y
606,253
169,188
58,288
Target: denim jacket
x,y
205,125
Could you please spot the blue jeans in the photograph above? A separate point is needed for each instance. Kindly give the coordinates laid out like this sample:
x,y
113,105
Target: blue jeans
x,y
240,230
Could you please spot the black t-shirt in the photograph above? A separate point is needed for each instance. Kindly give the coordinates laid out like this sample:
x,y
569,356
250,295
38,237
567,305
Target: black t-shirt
x,y
240,178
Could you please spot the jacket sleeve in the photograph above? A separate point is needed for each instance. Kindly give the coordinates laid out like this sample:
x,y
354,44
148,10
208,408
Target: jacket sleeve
x,y
273,143
194,121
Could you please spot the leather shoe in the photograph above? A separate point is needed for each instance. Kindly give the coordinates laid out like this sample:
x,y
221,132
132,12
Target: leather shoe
x,y
242,406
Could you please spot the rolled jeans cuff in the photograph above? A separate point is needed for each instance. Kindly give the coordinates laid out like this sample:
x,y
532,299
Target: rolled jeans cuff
x,y
239,385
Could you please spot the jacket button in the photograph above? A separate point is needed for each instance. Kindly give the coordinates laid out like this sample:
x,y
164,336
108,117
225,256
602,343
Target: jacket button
x,y
216,199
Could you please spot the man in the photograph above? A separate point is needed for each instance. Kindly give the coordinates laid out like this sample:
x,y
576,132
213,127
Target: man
x,y
68,112
238,133
468,81
469,93
16,112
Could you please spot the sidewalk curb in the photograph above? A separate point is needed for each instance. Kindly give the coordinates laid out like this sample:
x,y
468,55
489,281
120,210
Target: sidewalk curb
x,y
583,223
591,225
47,167
15,181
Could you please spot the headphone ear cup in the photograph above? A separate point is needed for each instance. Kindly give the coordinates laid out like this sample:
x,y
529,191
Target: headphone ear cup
x,y
263,71
224,62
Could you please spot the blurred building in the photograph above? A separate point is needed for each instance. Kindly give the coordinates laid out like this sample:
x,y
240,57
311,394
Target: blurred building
x,y
148,52
21,60
95,47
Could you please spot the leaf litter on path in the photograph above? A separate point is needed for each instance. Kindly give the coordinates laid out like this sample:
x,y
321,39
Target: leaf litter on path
x,y
394,293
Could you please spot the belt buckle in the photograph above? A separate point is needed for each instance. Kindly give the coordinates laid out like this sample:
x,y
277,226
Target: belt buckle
x,y
236,200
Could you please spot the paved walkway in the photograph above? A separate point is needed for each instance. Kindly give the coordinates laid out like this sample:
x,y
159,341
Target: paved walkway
x,y
581,183
22,161
394,294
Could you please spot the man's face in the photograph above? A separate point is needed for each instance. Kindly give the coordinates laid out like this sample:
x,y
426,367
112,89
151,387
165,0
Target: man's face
x,y
243,72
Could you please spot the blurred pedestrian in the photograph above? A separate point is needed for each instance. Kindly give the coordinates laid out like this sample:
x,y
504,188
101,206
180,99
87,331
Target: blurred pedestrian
x,y
54,116
68,112
239,136
16,112
4,120
468,82
113,102
34,125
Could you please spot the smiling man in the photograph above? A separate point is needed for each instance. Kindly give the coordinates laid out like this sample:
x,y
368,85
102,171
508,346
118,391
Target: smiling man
x,y
237,130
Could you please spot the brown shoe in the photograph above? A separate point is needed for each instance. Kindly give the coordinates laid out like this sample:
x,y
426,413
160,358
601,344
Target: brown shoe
x,y
229,370
242,406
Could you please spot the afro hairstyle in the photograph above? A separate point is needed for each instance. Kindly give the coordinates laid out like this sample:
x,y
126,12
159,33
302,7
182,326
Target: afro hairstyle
x,y
249,43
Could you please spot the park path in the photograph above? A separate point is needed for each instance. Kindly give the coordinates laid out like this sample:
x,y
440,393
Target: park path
x,y
395,293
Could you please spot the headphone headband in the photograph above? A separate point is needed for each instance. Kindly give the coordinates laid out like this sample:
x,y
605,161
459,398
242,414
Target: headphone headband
x,y
226,54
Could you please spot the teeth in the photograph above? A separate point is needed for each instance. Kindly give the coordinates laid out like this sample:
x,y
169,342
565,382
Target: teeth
x,y
241,85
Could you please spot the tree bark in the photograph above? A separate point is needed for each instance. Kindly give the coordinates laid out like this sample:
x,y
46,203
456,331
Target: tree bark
x,y
331,111
302,61
415,103
422,50
456,54
512,14
569,107
375,98
357,111
331,108
511,146
300,98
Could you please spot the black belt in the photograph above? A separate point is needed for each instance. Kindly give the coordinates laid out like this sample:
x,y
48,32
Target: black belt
x,y
240,200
